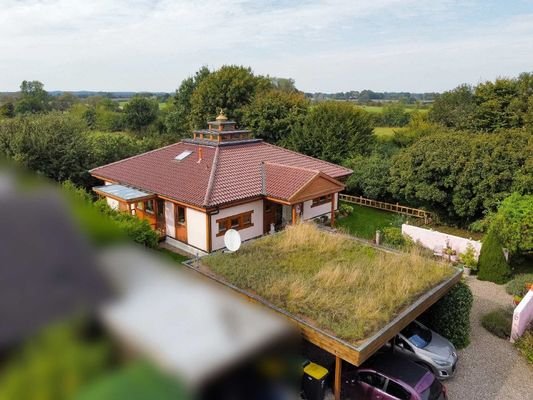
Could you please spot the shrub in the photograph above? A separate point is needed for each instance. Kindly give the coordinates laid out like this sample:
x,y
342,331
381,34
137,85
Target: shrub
x,y
468,258
393,236
525,345
517,286
54,364
492,264
498,322
450,316
104,225
136,229
345,209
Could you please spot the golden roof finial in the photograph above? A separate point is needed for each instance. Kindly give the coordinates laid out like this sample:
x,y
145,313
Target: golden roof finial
x,y
221,116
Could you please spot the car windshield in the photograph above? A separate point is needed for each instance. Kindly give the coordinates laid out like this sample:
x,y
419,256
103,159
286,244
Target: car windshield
x,y
433,392
417,335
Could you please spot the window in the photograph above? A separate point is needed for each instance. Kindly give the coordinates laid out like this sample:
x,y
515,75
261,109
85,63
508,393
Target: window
x,y
140,205
322,200
237,222
397,391
372,379
403,344
185,153
149,206
180,215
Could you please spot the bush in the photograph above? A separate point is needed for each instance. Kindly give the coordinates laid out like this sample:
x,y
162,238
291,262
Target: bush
x,y
393,236
450,316
525,345
104,225
54,364
136,229
517,286
498,322
345,209
492,264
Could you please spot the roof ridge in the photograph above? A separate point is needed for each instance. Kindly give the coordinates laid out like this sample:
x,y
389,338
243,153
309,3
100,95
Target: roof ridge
x,y
263,179
305,155
316,171
135,156
211,181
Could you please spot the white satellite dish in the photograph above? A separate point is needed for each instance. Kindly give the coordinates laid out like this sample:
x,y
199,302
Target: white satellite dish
x,y
232,240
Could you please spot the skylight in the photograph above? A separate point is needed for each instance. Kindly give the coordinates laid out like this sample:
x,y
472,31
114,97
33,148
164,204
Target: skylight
x,y
183,155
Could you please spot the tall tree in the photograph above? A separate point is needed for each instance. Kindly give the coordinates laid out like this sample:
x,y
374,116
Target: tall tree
x,y
140,112
33,98
462,176
273,114
333,131
455,108
231,88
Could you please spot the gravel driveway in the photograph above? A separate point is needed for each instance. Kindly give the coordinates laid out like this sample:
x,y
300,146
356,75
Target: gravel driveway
x,y
490,368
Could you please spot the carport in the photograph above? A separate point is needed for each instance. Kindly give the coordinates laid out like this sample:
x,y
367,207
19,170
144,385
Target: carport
x,y
341,349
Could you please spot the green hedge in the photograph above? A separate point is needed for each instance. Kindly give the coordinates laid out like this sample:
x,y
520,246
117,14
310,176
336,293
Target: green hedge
x,y
492,264
450,316
104,225
525,345
498,322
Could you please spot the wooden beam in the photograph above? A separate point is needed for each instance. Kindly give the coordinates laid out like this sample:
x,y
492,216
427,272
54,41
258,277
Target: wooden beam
x,y
337,380
293,215
333,210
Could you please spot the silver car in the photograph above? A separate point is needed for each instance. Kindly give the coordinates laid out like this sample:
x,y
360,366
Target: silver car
x,y
427,348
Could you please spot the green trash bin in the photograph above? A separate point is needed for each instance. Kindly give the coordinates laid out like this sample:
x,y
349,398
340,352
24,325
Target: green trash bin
x,y
314,381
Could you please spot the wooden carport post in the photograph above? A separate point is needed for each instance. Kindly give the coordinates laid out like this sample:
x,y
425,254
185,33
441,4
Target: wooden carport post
x,y
294,215
333,210
337,380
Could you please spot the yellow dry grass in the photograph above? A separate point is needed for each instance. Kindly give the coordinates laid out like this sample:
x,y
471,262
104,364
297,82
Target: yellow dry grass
x,y
336,283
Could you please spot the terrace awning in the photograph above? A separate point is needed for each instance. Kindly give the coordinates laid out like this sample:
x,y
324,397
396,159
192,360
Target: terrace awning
x,y
122,193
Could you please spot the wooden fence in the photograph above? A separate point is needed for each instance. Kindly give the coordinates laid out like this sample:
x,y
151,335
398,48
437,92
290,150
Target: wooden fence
x,y
396,208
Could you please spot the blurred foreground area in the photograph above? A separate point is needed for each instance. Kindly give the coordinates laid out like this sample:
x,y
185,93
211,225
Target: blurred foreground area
x,y
88,314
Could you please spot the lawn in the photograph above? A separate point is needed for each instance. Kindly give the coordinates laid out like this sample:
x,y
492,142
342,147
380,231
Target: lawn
x,y
364,221
379,109
333,282
386,132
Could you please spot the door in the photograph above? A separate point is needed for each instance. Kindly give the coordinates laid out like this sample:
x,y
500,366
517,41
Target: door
x,y
404,347
271,215
181,223
160,217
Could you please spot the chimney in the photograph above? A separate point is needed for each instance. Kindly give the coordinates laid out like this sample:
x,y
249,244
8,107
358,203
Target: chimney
x,y
199,154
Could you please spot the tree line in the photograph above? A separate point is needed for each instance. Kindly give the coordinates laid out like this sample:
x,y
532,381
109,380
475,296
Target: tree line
x,y
460,160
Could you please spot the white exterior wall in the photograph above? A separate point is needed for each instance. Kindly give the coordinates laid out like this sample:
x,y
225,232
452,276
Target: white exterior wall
x,y
436,241
312,212
522,316
112,203
248,233
169,219
196,228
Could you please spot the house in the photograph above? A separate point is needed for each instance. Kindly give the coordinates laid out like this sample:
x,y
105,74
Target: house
x,y
222,178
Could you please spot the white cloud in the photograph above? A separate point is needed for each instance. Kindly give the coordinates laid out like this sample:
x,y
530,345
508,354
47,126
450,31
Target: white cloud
x,y
324,45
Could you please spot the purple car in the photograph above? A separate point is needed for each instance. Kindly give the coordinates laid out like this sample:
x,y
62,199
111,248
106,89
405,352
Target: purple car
x,y
390,377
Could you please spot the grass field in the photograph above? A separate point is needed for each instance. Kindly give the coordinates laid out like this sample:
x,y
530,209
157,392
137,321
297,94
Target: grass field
x,y
364,221
122,103
379,109
386,132
337,284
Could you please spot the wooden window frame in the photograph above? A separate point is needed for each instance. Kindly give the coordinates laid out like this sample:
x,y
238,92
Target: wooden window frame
x,y
328,198
227,222
149,210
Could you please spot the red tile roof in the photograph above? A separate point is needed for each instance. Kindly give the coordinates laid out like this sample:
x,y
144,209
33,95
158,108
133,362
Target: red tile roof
x,y
282,181
225,173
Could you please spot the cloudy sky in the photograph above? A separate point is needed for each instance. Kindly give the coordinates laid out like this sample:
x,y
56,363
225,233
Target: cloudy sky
x,y
336,45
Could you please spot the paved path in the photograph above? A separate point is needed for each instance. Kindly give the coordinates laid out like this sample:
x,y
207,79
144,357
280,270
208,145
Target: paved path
x,y
490,368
